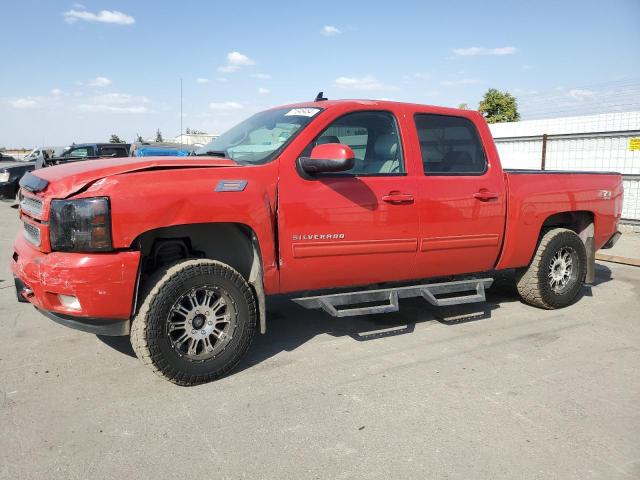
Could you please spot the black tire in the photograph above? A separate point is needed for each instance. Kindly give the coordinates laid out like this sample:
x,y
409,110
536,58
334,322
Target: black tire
x,y
541,283
157,343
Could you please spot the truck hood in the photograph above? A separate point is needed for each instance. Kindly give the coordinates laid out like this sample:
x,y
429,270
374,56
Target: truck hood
x,y
12,163
62,181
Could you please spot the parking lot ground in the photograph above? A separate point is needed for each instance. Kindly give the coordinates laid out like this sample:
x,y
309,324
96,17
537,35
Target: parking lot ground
x,y
496,390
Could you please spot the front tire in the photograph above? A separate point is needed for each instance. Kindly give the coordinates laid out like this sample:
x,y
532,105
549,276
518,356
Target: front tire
x,y
557,272
196,323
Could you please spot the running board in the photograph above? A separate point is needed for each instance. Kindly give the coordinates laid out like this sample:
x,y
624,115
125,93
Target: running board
x,y
332,303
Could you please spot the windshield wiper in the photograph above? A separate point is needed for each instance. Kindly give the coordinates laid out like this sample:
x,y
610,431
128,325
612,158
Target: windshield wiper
x,y
213,153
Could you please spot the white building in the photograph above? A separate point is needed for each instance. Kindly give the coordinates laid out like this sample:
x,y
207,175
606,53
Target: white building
x,y
604,142
197,139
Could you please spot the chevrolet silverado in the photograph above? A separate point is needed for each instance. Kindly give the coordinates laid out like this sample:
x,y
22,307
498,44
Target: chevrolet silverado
x,y
354,204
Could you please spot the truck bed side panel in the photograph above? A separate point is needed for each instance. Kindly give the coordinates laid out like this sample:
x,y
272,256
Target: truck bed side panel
x,y
534,197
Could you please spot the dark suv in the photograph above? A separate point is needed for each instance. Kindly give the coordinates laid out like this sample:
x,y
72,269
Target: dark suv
x,y
86,151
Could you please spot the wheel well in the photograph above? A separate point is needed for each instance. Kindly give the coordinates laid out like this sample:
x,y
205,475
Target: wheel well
x,y
230,243
580,222
234,244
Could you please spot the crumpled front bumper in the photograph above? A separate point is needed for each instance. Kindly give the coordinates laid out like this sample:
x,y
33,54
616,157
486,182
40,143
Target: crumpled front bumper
x,y
103,283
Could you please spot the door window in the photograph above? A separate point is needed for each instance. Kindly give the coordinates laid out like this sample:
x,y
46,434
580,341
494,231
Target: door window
x,y
450,145
113,152
80,152
374,139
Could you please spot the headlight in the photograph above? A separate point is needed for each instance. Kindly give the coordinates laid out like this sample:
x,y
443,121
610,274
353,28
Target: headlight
x,y
4,176
82,225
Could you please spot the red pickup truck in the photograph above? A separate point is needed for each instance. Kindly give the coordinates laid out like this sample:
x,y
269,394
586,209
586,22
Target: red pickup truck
x,y
368,198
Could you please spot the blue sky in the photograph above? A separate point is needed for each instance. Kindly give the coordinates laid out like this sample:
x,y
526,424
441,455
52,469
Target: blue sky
x,y
81,71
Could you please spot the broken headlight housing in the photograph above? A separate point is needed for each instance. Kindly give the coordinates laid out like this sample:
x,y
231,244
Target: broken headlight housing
x,y
81,225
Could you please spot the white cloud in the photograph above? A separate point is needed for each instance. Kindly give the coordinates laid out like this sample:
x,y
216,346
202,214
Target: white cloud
x,y
56,92
92,108
579,93
225,106
462,81
368,82
222,79
236,60
263,91
202,80
23,103
116,103
472,51
330,30
261,76
100,82
103,16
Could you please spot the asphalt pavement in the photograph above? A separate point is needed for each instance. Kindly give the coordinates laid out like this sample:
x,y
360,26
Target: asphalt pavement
x,y
498,390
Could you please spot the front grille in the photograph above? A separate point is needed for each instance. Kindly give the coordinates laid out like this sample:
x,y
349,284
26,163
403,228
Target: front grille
x,y
32,234
31,206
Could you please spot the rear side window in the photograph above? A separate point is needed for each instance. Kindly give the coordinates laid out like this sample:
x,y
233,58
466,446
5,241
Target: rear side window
x,y
113,151
449,145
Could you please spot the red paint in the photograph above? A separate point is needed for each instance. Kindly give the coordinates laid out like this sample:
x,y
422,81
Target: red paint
x,y
103,283
333,231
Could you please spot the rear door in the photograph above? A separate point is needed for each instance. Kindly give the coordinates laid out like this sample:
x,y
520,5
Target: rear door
x,y
353,228
461,196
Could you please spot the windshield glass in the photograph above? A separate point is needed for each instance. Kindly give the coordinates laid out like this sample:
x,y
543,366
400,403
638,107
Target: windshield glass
x,y
260,138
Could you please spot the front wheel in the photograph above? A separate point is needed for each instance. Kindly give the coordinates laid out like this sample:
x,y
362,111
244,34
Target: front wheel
x,y
196,323
556,273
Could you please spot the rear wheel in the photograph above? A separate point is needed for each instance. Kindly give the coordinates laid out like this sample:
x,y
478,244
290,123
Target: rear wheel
x,y
557,271
196,323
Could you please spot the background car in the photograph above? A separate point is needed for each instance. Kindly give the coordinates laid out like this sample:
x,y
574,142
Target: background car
x,y
11,171
87,151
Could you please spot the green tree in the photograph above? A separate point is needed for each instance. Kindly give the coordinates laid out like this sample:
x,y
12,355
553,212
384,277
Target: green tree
x,y
115,139
139,138
463,106
497,106
159,136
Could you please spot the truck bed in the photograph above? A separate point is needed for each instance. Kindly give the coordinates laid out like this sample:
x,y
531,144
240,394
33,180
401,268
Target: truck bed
x,y
533,196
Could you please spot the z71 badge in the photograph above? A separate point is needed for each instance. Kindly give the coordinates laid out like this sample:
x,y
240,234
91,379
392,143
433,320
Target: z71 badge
x,y
318,236
605,194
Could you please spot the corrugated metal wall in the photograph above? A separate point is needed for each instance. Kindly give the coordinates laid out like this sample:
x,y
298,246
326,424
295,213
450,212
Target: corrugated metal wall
x,y
591,142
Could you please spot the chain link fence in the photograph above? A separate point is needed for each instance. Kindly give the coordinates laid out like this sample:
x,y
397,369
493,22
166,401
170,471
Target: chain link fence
x,y
601,143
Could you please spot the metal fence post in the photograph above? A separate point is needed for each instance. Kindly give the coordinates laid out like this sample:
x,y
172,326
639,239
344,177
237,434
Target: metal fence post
x,y
544,151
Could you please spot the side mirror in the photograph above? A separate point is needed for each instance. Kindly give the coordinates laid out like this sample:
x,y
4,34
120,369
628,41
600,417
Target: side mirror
x,y
328,157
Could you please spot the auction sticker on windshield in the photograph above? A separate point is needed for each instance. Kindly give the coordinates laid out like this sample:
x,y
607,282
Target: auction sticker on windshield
x,y
302,112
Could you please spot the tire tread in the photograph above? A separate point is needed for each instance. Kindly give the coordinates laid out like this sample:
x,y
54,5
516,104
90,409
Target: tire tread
x,y
529,281
144,337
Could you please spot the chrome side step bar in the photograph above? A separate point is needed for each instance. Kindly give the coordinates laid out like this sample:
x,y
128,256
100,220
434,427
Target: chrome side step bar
x,y
337,305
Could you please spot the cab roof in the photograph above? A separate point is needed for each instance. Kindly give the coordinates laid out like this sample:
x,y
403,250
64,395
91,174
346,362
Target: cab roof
x,y
386,104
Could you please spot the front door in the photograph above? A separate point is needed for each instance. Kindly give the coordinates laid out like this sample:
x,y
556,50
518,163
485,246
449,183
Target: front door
x,y
353,228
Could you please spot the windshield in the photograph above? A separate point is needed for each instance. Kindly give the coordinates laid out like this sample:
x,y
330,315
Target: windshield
x,y
260,138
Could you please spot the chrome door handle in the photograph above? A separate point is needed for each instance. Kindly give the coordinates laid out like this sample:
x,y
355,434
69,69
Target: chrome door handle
x,y
397,198
485,195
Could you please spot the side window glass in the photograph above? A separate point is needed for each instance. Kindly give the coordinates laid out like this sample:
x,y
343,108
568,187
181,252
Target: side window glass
x,y
112,152
374,139
449,145
79,152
